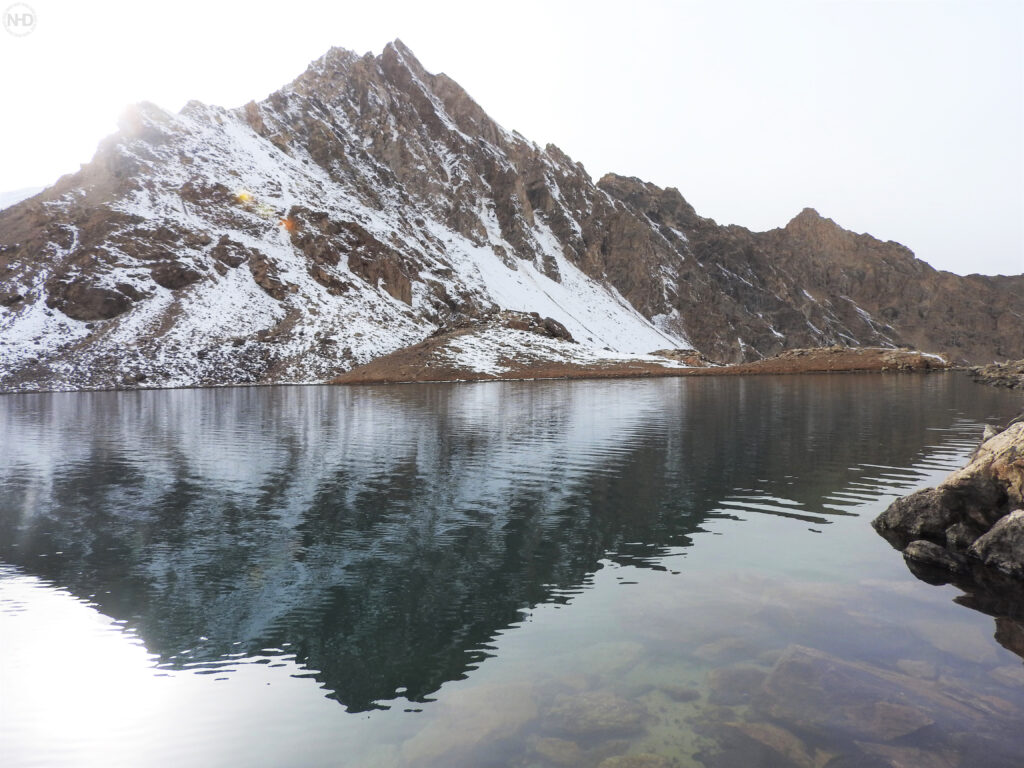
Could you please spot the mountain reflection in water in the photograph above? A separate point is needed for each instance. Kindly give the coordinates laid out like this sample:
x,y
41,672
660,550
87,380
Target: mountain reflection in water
x,y
384,535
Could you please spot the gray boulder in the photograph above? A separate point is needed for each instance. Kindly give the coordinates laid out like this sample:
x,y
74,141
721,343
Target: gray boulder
x,y
972,520
924,514
930,554
1003,546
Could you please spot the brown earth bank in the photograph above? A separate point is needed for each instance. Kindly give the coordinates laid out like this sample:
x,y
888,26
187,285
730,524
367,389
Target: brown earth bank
x,y
430,361
1009,375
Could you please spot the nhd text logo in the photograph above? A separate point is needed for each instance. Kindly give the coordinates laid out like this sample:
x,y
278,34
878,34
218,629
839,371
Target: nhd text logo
x,y
19,19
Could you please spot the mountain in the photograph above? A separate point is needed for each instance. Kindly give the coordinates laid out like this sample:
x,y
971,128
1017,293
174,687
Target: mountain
x,y
369,204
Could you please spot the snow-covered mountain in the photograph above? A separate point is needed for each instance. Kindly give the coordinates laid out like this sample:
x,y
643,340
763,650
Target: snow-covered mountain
x,y
369,204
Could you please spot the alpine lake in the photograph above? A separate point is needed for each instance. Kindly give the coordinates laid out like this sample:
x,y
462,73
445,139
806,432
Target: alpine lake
x,y
597,574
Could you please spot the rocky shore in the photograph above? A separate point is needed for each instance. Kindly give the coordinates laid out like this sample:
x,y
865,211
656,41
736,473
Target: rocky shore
x,y
514,345
1009,374
970,529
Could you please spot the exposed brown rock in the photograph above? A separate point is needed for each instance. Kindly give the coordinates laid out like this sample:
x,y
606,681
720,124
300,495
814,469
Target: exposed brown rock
x,y
384,271
174,275
334,285
324,241
81,301
264,272
229,252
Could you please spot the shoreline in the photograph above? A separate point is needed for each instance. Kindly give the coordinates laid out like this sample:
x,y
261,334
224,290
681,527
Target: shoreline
x,y
838,360
414,365
1009,374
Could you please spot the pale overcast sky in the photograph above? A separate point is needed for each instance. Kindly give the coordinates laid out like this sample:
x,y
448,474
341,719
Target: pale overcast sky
x,y
902,119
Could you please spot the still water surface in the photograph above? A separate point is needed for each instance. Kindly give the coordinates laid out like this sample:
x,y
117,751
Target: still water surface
x,y
509,574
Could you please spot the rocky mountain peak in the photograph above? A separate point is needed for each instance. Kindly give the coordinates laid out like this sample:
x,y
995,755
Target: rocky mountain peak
x,y
398,50
824,236
811,223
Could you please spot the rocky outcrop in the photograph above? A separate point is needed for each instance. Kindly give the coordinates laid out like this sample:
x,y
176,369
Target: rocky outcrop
x,y
1009,374
970,528
374,202
81,301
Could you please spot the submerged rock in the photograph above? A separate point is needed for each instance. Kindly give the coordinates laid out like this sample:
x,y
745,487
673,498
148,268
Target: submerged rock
x,y
783,743
636,761
680,693
476,719
813,691
734,685
908,757
594,714
560,752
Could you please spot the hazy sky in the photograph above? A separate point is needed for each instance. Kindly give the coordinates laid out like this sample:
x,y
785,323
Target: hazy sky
x,y
902,119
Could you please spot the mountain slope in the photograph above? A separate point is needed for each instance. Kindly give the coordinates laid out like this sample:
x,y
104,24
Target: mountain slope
x,y
369,203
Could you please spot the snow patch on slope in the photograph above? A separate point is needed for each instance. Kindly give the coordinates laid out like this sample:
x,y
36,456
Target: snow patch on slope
x,y
487,350
596,315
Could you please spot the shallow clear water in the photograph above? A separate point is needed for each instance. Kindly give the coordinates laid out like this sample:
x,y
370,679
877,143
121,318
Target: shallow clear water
x,y
506,574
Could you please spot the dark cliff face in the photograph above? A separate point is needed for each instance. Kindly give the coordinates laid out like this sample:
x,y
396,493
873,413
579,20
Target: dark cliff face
x,y
369,202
